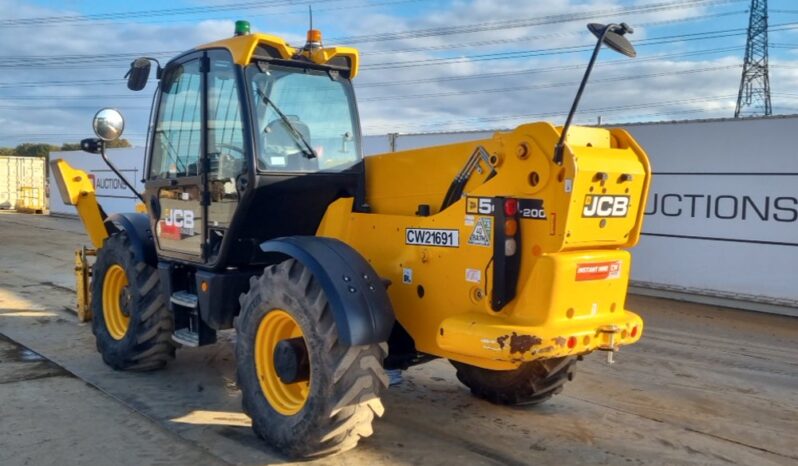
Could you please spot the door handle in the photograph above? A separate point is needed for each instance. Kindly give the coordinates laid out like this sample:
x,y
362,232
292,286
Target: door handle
x,y
155,207
241,183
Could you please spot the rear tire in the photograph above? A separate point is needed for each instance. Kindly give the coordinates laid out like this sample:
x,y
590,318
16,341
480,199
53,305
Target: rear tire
x,y
140,337
342,397
532,383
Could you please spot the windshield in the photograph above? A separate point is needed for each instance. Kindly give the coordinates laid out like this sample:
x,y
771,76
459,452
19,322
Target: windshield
x,y
316,108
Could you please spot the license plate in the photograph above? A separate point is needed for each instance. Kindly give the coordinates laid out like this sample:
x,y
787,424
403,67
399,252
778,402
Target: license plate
x,y
432,237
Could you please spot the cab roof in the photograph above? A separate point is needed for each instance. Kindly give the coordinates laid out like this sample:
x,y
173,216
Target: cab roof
x,y
247,46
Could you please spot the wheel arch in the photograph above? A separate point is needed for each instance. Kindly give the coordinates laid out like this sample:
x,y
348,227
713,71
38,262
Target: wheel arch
x,y
137,227
358,299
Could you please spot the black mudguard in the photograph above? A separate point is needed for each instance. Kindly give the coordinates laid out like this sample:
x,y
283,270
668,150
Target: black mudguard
x,y
357,295
137,227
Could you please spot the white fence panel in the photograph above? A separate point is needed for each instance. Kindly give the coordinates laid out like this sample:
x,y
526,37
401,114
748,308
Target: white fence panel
x,y
112,194
722,216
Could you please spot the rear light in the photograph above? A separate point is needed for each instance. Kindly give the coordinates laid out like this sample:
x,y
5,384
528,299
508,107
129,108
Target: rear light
x,y
634,331
510,227
510,247
506,247
510,207
571,342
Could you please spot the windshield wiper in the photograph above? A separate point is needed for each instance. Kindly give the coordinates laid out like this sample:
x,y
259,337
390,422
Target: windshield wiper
x,y
297,135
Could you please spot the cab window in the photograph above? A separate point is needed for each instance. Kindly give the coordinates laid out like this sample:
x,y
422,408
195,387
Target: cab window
x,y
297,107
177,141
226,149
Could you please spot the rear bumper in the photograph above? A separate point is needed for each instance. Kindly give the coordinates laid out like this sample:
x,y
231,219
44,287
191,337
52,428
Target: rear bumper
x,y
485,337
570,303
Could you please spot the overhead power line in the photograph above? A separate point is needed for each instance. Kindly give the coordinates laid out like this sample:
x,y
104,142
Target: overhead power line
x,y
487,43
182,11
529,22
470,76
84,82
583,112
468,92
76,61
709,35
300,10
25,59
79,61
42,20
503,90
548,69
56,98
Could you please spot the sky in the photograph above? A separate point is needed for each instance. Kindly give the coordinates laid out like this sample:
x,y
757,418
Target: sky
x,y
427,65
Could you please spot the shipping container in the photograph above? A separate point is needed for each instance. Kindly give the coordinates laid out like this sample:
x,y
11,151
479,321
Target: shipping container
x,y
23,184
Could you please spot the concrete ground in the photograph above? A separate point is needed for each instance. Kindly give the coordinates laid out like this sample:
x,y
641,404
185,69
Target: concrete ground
x,y
704,386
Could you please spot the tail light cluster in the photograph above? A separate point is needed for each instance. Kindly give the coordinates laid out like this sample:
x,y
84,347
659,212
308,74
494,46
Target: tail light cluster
x,y
510,227
506,256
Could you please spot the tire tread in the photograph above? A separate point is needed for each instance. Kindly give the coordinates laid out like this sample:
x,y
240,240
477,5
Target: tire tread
x,y
152,346
532,383
355,373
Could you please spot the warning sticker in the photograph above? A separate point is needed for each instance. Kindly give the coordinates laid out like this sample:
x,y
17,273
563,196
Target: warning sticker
x,y
482,232
598,271
407,276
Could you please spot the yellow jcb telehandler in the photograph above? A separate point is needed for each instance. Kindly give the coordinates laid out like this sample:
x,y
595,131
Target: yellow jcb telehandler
x,y
506,256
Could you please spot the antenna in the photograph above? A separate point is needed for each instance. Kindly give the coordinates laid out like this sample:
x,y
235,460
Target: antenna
x,y
310,11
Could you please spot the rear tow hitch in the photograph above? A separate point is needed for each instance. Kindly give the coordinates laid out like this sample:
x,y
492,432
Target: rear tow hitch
x,y
610,347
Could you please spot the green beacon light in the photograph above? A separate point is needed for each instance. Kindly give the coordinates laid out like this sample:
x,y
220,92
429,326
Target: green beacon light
x,y
242,27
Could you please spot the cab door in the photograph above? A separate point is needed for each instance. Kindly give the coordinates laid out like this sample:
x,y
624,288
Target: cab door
x,y
228,150
175,186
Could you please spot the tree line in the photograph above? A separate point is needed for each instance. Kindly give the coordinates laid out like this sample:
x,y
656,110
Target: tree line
x,y
31,149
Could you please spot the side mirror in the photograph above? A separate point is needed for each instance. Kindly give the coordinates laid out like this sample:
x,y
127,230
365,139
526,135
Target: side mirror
x,y
108,124
138,74
614,37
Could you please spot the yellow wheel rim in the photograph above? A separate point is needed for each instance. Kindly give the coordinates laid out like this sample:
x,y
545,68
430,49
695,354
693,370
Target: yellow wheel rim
x,y
286,399
115,297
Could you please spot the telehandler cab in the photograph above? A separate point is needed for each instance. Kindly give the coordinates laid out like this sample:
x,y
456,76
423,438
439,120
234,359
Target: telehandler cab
x,y
505,255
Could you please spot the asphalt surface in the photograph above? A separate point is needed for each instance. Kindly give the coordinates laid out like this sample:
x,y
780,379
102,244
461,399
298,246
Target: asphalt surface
x,y
705,385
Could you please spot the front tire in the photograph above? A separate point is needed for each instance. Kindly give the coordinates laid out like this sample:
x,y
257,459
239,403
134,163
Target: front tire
x,y
532,383
130,319
334,408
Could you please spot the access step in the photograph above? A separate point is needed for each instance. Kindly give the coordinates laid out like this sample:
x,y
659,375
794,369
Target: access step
x,y
185,299
186,337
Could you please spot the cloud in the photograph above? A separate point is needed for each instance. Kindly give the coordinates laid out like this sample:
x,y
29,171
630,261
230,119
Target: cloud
x,y
57,113
531,87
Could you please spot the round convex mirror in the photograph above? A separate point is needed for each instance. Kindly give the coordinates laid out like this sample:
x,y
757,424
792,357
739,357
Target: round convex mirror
x,y
108,124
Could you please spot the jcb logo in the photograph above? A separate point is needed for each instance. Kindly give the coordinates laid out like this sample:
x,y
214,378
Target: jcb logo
x,y
606,206
180,218
479,205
